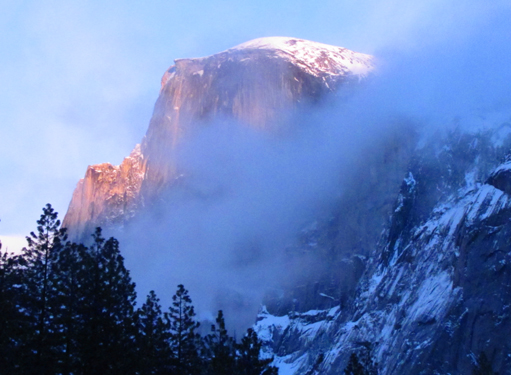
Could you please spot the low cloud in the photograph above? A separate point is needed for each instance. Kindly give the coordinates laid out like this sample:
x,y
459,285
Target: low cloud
x,y
246,194
223,230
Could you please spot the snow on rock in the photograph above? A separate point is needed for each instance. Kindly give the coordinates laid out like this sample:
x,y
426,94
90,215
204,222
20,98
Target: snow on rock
x,y
442,279
301,327
268,324
317,58
501,177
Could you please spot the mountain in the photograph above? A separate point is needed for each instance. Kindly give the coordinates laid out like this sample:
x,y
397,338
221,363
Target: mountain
x,y
410,262
253,83
435,291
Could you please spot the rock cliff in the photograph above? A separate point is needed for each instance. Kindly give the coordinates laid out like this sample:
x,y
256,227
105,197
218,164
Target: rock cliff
x,y
253,83
435,291
107,195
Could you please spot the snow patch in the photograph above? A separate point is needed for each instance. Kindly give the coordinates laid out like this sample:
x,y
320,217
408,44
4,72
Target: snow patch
x,y
317,58
433,294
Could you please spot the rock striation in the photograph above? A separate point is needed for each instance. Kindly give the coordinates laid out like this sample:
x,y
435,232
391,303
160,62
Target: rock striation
x,y
107,195
435,291
253,83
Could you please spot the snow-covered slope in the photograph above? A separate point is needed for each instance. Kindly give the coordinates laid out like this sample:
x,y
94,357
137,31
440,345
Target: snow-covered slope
x,y
436,292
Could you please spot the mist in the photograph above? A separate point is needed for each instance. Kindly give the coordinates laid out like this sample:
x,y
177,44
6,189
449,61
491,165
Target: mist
x,y
223,231
224,228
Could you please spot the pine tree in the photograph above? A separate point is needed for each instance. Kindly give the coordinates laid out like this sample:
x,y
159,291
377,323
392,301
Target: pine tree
x,y
69,295
221,349
184,341
106,312
248,361
38,292
11,315
363,365
153,349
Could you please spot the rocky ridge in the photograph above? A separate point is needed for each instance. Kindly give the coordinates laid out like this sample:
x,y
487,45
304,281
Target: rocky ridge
x,y
435,292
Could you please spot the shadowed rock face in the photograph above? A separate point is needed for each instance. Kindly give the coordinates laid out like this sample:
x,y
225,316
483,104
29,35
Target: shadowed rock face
x,y
501,178
253,84
436,288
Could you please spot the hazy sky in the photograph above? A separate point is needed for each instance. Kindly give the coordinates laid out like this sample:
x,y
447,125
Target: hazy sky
x,y
79,79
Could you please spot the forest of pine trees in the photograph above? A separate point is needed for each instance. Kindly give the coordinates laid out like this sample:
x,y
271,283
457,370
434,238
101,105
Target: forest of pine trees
x,y
70,309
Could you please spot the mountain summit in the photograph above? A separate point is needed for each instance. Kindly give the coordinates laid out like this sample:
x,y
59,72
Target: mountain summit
x,y
253,83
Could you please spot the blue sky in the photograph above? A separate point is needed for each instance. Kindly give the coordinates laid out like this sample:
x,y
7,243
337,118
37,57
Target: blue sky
x,y
79,79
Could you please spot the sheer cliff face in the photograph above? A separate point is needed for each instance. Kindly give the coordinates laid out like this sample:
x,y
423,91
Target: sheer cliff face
x,y
253,84
107,194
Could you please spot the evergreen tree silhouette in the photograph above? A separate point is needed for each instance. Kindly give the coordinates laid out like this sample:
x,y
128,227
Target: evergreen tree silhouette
x,y
68,309
221,348
106,327
364,365
248,361
11,315
354,367
70,295
38,293
184,341
153,337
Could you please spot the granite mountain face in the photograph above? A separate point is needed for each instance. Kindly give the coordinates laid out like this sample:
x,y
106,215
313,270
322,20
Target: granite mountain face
x,y
107,195
253,84
411,261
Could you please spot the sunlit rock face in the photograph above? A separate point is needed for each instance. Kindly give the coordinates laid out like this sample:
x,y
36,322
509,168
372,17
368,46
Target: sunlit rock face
x,y
254,84
107,194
